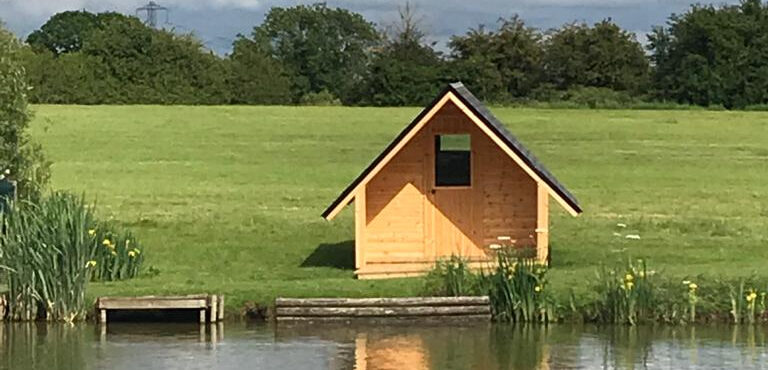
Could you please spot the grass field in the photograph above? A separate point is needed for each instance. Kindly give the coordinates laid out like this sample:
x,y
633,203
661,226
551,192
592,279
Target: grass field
x,y
228,199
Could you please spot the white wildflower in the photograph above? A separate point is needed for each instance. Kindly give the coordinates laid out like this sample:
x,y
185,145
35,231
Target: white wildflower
x,y
495,246
621,225
502,238
616,234
633,236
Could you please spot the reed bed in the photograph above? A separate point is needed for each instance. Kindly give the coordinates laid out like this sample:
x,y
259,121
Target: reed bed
x,y
626,293
51,249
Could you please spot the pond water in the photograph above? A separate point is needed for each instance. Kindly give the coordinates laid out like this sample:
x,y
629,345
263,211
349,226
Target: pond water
x,y
370,346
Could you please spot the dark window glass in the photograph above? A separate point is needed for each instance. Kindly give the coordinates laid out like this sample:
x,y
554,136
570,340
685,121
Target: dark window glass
x,y
452,160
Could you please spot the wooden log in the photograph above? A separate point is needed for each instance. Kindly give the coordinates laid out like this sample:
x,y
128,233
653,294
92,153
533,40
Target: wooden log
x,y
382,311
421,319
381,302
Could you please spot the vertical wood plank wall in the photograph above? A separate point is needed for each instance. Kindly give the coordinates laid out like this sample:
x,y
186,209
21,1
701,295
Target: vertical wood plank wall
x,y
409,221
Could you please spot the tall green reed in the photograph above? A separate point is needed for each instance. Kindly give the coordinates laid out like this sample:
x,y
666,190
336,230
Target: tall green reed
x,y
518,289
625,294
45,249
51,249
516,286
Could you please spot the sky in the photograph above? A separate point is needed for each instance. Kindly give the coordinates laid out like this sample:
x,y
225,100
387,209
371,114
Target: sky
x,y
218,22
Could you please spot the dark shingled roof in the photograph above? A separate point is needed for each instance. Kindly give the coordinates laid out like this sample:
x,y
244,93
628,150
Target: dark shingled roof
x,y
493,124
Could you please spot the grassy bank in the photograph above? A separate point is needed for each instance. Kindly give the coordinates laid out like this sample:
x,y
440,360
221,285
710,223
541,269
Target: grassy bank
x,y
228,199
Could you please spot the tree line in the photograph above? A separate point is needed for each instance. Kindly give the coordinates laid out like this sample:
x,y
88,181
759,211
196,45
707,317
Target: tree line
x,y
314,54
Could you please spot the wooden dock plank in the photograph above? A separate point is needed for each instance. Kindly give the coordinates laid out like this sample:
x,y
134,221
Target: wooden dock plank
x,y
209,306
152,304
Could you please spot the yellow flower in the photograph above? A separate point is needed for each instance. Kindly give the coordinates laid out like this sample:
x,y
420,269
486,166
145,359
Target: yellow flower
x,y
629,277
114,253
537,288
91,232
131,254
692,286
630,285
137,250
90,263
751,296
641,274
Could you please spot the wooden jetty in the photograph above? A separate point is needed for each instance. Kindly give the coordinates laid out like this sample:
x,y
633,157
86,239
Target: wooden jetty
x,y
299,309
211,307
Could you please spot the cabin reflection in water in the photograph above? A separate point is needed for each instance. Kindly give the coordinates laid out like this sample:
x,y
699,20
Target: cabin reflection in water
x,y
419,346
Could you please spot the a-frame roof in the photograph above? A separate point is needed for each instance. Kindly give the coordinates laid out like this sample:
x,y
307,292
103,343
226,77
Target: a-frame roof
x,y
488,123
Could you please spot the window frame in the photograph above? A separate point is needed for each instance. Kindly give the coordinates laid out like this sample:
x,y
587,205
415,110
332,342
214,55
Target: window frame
x,y
435,165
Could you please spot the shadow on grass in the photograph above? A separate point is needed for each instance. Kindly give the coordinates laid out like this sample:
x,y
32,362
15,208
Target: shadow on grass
x,y
339,255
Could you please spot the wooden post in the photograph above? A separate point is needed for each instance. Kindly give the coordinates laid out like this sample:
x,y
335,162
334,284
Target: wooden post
x,y
103,316
214,338
202,315
103,333
360,221
221,308
542,224
214,310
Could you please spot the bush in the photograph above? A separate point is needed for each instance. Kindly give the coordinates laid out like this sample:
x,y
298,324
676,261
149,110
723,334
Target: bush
x,y
322,98
598,97
452,277
117,254
18,153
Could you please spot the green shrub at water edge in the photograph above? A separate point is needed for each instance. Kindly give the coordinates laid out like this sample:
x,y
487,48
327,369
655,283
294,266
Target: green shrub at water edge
x,y
516,286
117,254
452,277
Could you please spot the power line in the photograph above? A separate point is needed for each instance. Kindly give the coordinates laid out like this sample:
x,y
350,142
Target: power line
x,y
152,8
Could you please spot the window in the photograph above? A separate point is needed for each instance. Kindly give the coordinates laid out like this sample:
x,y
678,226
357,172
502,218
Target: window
x,y
452,160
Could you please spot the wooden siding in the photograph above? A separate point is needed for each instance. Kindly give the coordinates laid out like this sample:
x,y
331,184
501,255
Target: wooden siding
x,y
409,222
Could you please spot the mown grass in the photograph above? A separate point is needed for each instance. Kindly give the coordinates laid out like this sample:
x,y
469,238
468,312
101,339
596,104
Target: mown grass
x,y
228,199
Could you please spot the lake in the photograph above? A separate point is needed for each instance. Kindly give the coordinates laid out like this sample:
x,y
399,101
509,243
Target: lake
x,y
235,345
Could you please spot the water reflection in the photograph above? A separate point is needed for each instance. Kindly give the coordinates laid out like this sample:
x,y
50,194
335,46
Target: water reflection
x,y
377,346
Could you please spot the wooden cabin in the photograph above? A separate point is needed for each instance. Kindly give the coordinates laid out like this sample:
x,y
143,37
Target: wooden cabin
x,y
451,183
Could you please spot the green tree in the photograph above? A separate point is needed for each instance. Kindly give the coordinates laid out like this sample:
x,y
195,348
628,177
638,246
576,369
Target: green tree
x,y
600,56
320,47
256,78
405,70
64,32
505,62
24,159
713,55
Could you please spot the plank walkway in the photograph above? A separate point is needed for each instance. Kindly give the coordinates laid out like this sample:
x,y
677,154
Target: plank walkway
x,y
300,309
211,307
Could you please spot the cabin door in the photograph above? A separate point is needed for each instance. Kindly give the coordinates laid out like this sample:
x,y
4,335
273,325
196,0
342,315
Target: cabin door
x,y
451,222
450,184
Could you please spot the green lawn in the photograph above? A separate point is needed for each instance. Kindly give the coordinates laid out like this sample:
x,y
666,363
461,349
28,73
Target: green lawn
x,y
228,199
